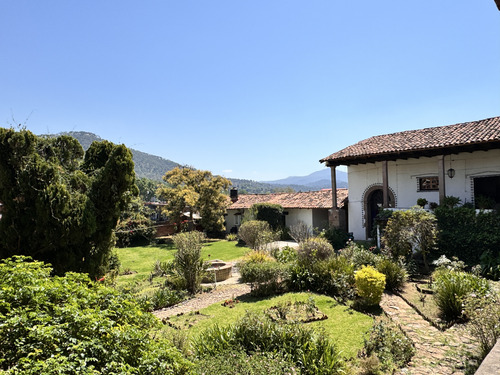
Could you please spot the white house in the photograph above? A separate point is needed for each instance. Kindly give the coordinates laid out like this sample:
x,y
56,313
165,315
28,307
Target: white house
x,y
394,170
311,207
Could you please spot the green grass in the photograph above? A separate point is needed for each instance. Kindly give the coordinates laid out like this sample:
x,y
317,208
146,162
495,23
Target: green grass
x,y
140,260
344,325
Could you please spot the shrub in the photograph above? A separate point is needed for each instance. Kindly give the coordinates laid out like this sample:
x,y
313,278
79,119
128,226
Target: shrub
x,y
300,231
370,285
134,232
286,254
395,273
164,297
256,234
391,346
359,256
265,278
411,230
333,277
490,265
337,237
268,212
310,351
187,260
484,320
462,232
314,249
71,325
239,362
450,289
232,237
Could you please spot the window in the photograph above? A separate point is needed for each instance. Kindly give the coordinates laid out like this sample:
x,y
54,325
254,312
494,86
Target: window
x,y
430,183
487,192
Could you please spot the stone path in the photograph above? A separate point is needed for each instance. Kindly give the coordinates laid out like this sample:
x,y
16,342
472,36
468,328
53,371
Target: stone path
x,y
223,292
438,353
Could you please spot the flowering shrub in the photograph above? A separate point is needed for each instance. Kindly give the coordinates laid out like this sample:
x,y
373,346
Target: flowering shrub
x,y
134,232
370,285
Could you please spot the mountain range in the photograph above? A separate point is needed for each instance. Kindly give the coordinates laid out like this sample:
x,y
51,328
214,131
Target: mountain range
x,y
154,167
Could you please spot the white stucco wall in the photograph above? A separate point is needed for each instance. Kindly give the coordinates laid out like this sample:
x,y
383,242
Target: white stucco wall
x,y
295,215
403,181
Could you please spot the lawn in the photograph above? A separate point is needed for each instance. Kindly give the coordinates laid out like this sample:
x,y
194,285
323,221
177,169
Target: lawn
x,y
344,325
138,262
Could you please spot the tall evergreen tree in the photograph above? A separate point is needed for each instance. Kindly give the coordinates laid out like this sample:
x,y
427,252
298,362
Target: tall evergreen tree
x,y
59,206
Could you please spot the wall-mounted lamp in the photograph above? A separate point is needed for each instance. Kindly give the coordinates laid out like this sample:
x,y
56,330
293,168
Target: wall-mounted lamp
x,y
450,172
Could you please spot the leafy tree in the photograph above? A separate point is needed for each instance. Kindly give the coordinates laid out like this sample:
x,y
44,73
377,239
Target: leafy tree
x,y
198,191
134,227
272,213
147,188
59,206
71,325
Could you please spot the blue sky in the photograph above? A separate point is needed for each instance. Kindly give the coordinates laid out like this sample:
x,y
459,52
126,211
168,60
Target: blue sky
x,y
249,89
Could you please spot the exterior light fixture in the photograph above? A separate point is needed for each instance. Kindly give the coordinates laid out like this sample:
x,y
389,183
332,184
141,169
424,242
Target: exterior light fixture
x,y
450,172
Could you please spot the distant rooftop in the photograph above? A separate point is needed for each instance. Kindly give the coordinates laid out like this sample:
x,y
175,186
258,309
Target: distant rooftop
x,y
308,199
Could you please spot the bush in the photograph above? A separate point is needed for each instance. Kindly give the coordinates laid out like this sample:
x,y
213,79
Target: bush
x,y
411,230
333,277
314,249
391,346
71,325
265,277
134,232
359,256
300,232
256,234
268,212
286,254
187,260
462,232
395,273
164,297
312,352
337,237
450,289
484,320
370,285
239,362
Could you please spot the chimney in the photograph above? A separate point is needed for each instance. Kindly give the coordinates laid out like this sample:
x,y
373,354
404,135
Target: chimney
x,y
233,194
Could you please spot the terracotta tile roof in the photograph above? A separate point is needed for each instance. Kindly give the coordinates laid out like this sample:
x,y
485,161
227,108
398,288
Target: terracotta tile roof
x,y
468,136
309,199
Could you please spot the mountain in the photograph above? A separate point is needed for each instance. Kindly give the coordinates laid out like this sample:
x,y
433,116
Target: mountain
x,y
315,181
154,167
146,165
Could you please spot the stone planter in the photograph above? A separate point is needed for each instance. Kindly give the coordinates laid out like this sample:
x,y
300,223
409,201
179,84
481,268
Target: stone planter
x,y
222,270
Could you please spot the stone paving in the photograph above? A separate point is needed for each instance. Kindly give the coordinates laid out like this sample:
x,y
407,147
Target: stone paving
x,y
437,352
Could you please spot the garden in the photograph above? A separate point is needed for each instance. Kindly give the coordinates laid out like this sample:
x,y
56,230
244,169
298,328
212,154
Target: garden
x,y
327,306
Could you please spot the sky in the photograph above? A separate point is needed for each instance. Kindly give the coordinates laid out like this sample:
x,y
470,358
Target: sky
x,y
257,90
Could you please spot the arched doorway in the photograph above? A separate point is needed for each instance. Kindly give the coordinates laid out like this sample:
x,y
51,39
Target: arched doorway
x,y
373,201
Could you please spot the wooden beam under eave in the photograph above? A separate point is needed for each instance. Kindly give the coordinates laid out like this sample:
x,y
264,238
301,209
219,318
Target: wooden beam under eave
x,y
385,183
441,176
